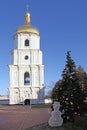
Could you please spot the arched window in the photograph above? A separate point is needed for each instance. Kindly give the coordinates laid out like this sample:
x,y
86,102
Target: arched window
x,y
26,42
26,78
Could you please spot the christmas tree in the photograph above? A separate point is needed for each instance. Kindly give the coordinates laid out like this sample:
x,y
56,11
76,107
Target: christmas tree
x,y
68,91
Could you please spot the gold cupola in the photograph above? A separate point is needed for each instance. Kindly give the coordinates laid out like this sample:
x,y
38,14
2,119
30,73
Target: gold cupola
x,y
27,27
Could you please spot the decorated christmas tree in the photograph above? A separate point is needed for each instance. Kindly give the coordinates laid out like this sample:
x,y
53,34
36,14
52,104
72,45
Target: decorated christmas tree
x,y
68,91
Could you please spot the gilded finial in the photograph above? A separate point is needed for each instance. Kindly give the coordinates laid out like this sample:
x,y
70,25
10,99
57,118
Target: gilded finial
x,y
27,16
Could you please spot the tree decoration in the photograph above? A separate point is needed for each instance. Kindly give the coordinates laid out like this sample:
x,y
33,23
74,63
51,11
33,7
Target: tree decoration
x,y
70,91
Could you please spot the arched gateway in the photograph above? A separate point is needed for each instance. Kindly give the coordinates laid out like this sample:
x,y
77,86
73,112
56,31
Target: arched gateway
x,y
27,102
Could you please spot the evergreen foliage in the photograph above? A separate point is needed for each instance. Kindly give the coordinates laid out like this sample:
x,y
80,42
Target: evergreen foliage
x,y
69,92
82,79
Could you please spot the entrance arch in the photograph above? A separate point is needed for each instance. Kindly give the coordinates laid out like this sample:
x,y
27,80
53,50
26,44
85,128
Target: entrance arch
x,y
27,102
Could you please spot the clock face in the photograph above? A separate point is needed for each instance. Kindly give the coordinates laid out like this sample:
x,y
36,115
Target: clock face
x,y
26,57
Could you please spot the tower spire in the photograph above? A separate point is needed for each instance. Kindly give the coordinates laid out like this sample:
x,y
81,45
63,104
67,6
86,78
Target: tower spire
x,y
27,16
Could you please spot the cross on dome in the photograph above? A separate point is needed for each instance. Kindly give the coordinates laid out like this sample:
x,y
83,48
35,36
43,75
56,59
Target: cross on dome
x,y
27,27
27,7
27,16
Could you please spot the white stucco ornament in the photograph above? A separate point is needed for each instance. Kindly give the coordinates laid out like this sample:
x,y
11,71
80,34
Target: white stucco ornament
x,y
55,119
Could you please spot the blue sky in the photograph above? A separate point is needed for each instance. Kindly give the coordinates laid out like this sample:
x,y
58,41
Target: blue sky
x,y
62,25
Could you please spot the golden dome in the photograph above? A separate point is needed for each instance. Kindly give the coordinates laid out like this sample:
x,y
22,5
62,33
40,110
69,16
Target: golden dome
x,y
27,28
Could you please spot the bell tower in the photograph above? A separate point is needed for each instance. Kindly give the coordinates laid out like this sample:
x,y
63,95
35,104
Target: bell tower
x,y
26,68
